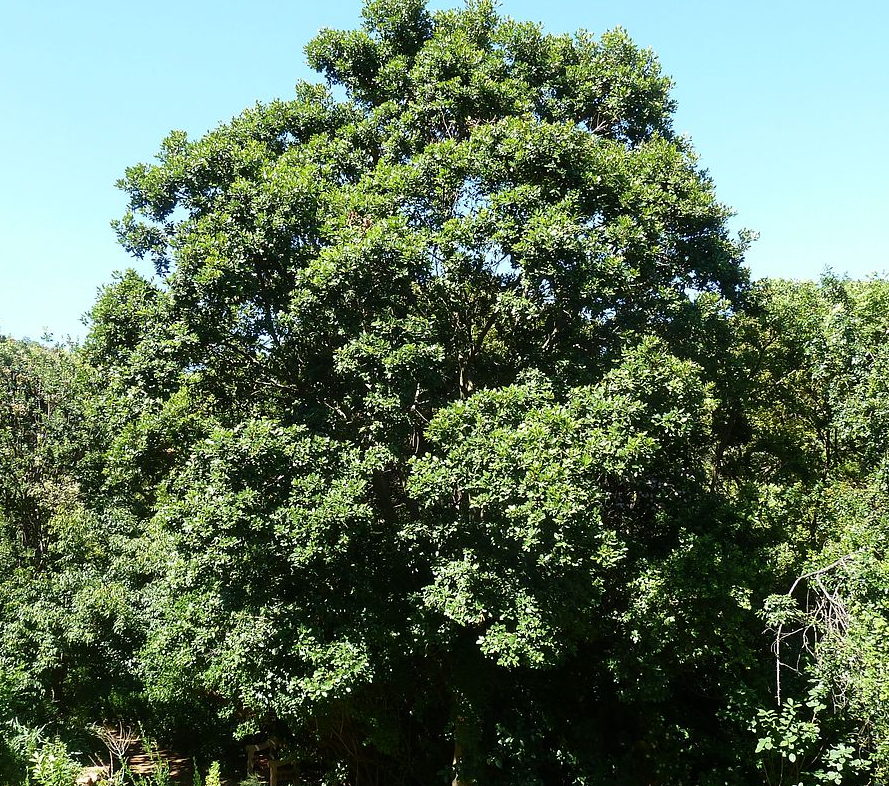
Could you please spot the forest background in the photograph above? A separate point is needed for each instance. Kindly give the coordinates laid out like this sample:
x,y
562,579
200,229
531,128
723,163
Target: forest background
x,y
450,441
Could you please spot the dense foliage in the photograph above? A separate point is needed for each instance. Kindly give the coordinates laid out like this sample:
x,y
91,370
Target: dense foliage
x,y
451,442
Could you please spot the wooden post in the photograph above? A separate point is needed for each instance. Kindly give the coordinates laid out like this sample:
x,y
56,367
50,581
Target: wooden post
x,y
252,750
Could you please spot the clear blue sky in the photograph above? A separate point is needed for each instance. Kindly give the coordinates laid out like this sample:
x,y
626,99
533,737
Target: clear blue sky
x,y
787,104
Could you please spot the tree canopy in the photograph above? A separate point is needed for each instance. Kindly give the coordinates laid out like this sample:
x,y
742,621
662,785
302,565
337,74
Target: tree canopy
x,y
452,323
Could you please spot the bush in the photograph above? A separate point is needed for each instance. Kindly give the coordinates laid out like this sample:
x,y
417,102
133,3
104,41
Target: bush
x,y
53,765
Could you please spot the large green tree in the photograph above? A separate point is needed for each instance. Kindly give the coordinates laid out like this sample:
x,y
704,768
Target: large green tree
x,y
425,416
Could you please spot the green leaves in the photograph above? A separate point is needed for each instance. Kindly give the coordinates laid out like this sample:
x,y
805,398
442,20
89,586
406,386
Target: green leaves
x,y
795,750
262,523
532,506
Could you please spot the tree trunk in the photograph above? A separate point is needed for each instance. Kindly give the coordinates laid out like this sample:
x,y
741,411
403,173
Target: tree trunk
x,y
460,745
458,758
